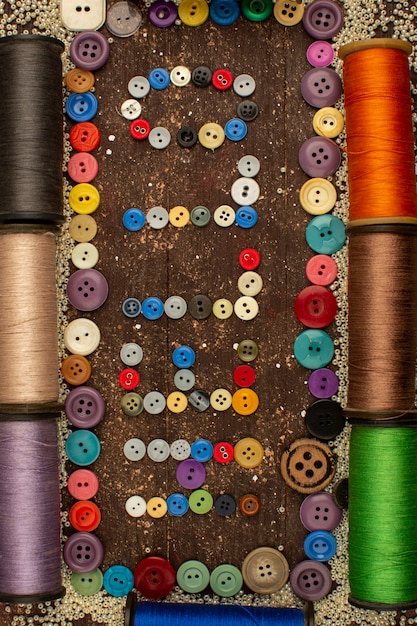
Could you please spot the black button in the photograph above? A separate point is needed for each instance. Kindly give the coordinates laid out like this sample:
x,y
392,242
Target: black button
x,y
341,493
200,307
187,137
199,400
201,76
325,419
247,110
225,505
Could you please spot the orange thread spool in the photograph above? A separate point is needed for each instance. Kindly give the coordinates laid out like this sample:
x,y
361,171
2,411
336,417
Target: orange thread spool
x,y
379,131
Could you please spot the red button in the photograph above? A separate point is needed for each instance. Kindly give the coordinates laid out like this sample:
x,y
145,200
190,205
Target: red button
x,y
129,378
321,269
244,376
154,577
222,79
315,306
84,137
83,167
83,484
249,259
85,516
223,452
140,129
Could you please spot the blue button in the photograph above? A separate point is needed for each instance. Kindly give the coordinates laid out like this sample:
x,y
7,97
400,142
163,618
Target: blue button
x,y
235,129
81,107
131,307
177,504
313,348
159,78
202,450
325,234
83,447
118,581
133,219
152,308
320,545
183,357
246,217
224,12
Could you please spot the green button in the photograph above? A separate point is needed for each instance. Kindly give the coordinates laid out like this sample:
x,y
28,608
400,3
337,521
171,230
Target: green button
x,y
132,403
226,580
87,584
247,350
200,501
193,576
257,10
200,216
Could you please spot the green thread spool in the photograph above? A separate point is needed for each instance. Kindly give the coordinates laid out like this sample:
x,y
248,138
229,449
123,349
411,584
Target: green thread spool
x,y
383,516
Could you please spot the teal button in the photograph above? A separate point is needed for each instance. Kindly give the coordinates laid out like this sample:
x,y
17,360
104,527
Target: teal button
x,y
326,234
87,584
118,581
313,348
193,576
257,10
83,447
226,580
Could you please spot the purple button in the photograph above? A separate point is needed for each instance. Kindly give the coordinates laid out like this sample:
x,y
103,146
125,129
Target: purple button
x,y
319,511
83,552
319,157
323,19
311,580
89,50
320,53
191,474
321,87
85,407
163,14
323,383
87,289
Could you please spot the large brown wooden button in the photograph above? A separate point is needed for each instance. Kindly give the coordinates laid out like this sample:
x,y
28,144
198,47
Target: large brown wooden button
x,y
265,570
308,465
76,369
249,504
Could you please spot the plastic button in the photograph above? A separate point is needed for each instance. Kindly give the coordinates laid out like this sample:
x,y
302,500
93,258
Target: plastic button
x,y
265,570
323,19
249,504
248,166
158,450
154,402
118,581
83,484
163,14
315,306
200,501
89,50
245,401
83,447
175,307
76,369
225,505
202,450
288,13
308,465
140,129
180,76
152,308
79,80
131,307
247,110
221,399
222,309
257,10
180,449
247,350
325,420
123,19
318,196
83,552
133,219
320,545
193,576
159,138
84,198
222,79
84,256
157,217
244,85
321,87
320,53
249,283
223,452
177,504
159,78
190,474
246,217
187,137
318,157
132,404
321,269
154,577
81,107
245,191
179,216
311,580
183,357
131,354
199,400
184,379
85,516
200,216
201,76
82,228
224,12
244,376
319,511
135,506
248,453
87,584
313,348
139,86
249,259
156,507
323,383
211,135
200,307
87,289
85,407
224,215
193,12
328,122
82,167
226,580
130,109
341,493
235,129
134,449
129,378
81,336
84,137
325,234
246,308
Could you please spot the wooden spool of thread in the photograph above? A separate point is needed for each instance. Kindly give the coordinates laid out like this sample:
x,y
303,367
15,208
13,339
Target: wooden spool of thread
x,y
28,315
379,131
382,296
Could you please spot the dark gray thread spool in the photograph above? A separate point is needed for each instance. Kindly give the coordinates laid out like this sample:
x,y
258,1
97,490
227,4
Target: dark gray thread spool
x,y
31,129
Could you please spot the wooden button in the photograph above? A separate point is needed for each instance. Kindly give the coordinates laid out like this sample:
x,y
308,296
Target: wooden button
x,y
308,465
76,369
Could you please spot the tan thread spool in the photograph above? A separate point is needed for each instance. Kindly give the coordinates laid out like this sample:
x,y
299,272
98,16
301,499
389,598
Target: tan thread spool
x,y
28,317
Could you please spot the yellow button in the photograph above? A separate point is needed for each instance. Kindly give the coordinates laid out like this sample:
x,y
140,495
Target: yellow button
x,y
82,228
249,452
249,283
156,507
288,13
318,196
84,198
179,216
177,402
78,80
221,399
193,12
245,401
328,122
211,135
222,308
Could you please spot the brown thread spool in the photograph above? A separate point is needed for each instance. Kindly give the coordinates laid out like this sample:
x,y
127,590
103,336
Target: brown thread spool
x,y
28,318
382,296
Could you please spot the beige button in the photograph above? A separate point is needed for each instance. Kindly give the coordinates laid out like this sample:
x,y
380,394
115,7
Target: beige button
x,y
222,308
82,228
81,336
265,570
246,308
135,506
156,507
221,399
84,256
288,13
224,216
180,76
248,452
249,283
179,216
211,135
318,196
328,122
245,401
177,402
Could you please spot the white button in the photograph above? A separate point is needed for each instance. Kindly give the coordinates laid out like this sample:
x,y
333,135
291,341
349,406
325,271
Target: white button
x,y
224,215
84,256
139,86
154,402
245,191
159,137
135,506
134,449
221,399
175,307
158,450
131,354
82,336
131,109
244,85
248,166
180,76
246,308
157,217
180,449
249,283
184,379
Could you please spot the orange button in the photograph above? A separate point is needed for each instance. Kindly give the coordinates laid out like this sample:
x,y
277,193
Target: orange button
x,y
245,401
76,369
78,80
249,504
85,516
308,465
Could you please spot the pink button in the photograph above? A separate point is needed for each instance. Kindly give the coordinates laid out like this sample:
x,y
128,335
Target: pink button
x,y
321,269
83,167
320,54
83,484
